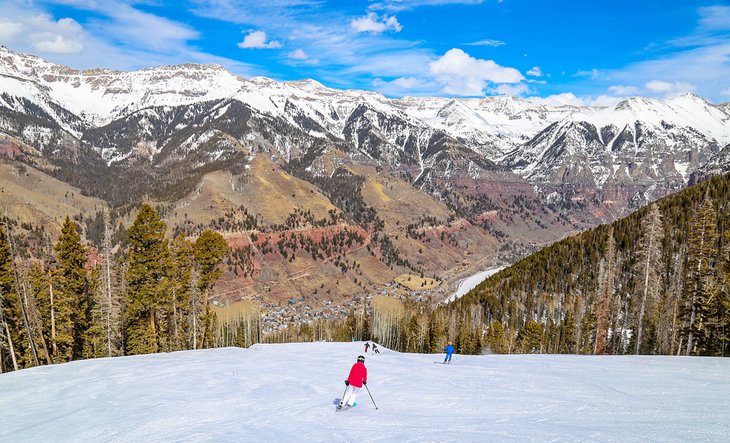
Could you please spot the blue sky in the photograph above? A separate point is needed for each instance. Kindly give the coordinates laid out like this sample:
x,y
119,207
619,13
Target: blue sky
x,y
557,52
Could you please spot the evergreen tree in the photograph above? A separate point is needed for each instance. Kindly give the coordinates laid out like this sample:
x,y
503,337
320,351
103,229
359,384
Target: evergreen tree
x,y
210,250
497,338
96,338
700,282
605,293
40,283
109,303
183,261
647,269
725,298
71,304
148,299
529,338
568,332
9,309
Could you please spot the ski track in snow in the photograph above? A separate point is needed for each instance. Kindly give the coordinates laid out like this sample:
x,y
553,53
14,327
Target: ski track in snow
x,y
288,393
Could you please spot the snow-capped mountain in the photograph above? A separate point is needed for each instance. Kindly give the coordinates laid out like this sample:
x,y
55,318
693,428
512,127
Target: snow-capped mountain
x,y
639,144
195,115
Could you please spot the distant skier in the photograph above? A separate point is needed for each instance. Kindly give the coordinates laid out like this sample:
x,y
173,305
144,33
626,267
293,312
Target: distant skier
x,y
375,349
357,378
367,345
449,351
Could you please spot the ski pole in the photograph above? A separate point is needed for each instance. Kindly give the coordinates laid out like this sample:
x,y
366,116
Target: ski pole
x,y
342,400
371,396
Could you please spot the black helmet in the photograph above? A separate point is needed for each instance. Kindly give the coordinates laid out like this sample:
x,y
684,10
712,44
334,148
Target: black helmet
x,y
360,358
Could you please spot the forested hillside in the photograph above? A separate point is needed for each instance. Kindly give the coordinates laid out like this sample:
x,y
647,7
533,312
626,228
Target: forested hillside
x,y
655,282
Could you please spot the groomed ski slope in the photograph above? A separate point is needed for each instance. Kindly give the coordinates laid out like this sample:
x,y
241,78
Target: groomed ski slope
x,y
288,393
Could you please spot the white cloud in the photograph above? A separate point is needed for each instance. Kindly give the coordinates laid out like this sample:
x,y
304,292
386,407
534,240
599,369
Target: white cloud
x,y
375,24
134,27
406,86
715,18
402,5
592,74
516,89
258,40
658,86
298,54
8,30
565,98
40,33
408,82
698,61
487,42
59,45
725,92
117,37
300,57
624,90
570,99
462,74
535,71
669,87
605,100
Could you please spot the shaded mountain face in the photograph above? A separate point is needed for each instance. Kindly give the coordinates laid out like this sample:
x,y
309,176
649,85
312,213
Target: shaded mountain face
x,y
498,176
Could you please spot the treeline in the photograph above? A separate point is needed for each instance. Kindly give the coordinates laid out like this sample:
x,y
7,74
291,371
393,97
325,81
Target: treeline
x,y
400,324
150,296
655,282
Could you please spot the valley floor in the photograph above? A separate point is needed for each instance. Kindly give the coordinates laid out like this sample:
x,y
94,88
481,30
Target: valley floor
x,y
288,393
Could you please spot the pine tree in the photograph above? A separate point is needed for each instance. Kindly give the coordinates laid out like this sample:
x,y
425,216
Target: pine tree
x,y
725,297
147,282
9,308
40,285
700,282
34,315
71,304
109,303
496,338
568,330
210,250
648,269
605,293
95,342
529,338
183,261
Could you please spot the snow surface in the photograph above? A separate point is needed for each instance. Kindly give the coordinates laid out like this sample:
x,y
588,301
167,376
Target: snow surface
x,y
288,393
470,283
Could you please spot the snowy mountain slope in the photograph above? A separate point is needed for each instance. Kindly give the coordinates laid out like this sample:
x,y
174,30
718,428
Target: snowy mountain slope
x,y
641,145
493,125
287,392
501,129
101,95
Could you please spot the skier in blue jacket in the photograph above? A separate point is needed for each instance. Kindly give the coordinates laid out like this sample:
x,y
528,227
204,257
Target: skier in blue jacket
x,y
449,350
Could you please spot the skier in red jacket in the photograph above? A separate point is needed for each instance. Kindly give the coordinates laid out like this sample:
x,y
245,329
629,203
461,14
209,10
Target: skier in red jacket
x,y
358,377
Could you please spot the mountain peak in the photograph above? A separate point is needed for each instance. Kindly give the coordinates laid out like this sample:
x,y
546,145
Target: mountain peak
x,y
688,98
636,103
